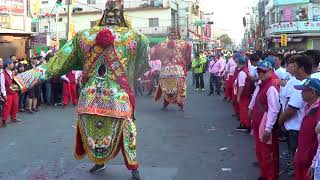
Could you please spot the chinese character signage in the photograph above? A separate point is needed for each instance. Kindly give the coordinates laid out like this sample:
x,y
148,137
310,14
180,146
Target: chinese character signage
x,y
284,40
316,13
34,8
11,6
40,40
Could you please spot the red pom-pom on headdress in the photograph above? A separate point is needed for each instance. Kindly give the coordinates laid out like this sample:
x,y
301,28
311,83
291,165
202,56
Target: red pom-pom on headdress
x,y
105,38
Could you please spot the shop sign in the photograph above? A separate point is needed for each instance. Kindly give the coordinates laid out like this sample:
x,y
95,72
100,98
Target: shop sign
x,y
40,40
11,6
5,21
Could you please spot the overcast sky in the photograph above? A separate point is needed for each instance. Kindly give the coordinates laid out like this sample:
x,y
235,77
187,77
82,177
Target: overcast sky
x,y
228,15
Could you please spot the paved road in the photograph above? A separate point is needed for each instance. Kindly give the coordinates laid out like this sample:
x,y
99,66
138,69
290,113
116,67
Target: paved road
x,y
198,144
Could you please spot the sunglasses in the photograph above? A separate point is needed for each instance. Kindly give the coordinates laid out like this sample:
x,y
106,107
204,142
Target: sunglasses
x,y
261,71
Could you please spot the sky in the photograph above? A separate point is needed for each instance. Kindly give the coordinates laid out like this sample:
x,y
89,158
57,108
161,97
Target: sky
x,y
228,15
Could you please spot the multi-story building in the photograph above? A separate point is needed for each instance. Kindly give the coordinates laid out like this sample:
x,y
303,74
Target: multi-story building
x,y
15,29
154,18
299,19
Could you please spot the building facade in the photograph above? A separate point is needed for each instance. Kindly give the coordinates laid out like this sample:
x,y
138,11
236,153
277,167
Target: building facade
x,y
15,29
298,19
153,18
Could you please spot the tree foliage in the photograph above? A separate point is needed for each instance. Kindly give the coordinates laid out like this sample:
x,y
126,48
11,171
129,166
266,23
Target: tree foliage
x,y
225,39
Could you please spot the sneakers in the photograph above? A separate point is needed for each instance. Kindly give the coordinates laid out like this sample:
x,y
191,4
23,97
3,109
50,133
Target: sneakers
x,y
202,89
15,120
211,93
30,111
135,175
241,128
3,124
97,168
197,89
22,110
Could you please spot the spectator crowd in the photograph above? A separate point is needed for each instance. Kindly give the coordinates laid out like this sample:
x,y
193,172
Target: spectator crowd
x,y
275,96
58,91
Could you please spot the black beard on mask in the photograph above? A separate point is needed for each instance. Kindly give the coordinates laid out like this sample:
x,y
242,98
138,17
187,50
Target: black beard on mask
x,y
113,15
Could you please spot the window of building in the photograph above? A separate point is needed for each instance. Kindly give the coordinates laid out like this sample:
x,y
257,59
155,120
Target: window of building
x,y
91,1
153,22
46,27
33,29
93,23
60,19
45,2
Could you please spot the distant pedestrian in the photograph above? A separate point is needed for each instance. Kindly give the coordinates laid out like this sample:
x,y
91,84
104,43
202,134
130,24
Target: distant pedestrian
x,y
198,64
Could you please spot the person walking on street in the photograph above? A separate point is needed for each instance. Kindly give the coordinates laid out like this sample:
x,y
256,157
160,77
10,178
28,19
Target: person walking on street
x,y
216,69
198,64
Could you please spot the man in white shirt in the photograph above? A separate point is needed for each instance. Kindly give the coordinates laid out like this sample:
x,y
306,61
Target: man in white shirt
x,y
315,56
292,116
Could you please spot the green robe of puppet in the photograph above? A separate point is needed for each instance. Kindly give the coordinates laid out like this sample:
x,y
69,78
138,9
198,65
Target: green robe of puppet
x,y
105,113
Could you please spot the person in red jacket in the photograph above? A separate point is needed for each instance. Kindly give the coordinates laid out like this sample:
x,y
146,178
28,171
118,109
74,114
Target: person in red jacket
x,y
11,104
243,95
307,141
264,108
69,88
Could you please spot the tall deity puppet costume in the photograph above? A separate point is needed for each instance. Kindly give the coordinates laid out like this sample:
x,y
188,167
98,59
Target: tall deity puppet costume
x,y
174,55
111,56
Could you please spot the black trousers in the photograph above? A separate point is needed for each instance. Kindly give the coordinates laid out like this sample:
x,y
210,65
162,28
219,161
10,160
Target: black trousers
x,y
57,92
199,80
216,81
292,137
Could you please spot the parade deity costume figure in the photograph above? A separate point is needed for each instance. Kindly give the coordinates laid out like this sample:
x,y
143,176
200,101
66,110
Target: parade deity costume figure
x,y
111,56
174,55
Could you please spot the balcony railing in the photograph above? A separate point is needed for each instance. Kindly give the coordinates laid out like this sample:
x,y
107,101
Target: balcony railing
x,y
293,27
162,30
129,4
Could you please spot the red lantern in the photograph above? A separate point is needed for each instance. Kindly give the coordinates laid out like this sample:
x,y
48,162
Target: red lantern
x,y
47,14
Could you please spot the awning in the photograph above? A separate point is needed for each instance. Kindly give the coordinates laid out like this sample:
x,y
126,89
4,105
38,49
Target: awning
x,y
157,39
14,31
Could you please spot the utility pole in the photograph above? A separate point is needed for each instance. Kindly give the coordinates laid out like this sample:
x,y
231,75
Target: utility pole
x,y
57,28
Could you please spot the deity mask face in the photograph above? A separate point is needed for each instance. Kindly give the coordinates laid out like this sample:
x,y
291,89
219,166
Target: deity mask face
x,y
174,35
113,14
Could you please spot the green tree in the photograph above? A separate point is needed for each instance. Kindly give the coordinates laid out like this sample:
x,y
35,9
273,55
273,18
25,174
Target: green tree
x,y
225,39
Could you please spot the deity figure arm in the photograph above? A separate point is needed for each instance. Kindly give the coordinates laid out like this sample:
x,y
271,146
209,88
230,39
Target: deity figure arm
x,y
141,63
69,57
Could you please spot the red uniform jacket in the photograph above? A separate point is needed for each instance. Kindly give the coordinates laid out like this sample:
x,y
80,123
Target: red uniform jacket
x,y
308,142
